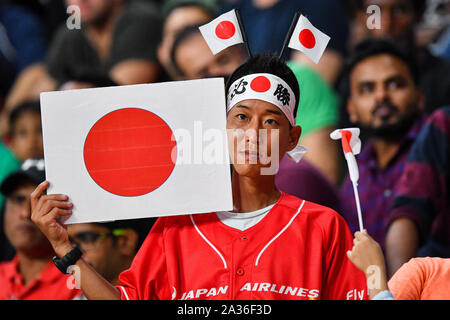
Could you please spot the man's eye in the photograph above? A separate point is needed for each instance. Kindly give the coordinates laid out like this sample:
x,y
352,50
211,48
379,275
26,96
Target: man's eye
x,y
241,116
271,121
18,199
396,84
366,89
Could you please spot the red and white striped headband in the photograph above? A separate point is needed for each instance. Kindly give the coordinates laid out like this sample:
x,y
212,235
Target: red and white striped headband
x,y
266,87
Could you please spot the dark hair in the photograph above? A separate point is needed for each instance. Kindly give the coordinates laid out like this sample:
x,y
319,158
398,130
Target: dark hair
x,y
181,37
373,47
141,226
209,7
86,75
19,110
267,63
354,6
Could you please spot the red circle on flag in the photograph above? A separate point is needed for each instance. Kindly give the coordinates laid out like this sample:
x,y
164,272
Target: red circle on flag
x,y
260,84
225,30
307,39
128,152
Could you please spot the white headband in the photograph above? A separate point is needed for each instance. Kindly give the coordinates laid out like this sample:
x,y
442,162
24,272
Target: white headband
x,y
266,87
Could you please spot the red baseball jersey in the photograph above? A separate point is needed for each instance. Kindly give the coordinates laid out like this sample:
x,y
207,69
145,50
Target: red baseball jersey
x,y
297,251
50,284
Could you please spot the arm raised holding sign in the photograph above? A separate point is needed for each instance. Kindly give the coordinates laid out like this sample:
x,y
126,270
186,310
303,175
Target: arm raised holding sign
x,y
46,209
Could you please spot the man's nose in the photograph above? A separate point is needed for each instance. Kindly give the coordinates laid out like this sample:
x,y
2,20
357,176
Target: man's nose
x,y
252,132
381,94
25,210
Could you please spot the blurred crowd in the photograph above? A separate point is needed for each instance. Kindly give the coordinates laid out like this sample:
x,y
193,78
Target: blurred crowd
x,y
391,79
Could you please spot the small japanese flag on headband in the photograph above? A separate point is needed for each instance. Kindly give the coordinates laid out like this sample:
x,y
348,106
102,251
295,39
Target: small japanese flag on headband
x,y
222,32
308,39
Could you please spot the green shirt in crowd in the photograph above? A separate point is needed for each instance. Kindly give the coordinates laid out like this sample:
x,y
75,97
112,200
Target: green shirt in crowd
x,y
8,164
318,102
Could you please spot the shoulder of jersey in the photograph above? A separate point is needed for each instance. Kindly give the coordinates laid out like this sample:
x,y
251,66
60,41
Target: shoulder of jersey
x,y
311,209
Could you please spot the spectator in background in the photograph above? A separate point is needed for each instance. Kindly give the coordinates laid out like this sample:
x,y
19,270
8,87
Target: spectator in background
x,y
399,18
420,217
86,80
178,15
22,51
8,164
422,279
386,103
52,13
31,275
117,39
110,247
267,22
193,58
419,279
26,131
318,115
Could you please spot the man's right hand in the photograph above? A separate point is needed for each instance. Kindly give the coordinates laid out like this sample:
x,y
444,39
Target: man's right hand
x,y
46,209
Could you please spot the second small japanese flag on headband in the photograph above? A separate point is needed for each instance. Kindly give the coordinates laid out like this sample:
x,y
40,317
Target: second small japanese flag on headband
x,y
222,32
308,39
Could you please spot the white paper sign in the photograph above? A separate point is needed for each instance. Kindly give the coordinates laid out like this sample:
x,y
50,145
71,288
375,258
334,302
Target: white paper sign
x,y
138,151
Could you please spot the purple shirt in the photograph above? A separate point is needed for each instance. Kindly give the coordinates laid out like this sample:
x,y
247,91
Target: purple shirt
x,y
377,188
424,187
306,182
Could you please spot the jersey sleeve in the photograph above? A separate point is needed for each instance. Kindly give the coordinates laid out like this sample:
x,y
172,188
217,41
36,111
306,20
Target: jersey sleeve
x,y
147,277
342,281
407,282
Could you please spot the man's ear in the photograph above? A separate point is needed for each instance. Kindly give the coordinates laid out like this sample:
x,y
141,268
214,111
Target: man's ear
x,y
127,243
294,137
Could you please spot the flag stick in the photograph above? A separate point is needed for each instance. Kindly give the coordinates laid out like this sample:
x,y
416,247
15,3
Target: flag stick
x,y
358,206
289,34
244,35
354,176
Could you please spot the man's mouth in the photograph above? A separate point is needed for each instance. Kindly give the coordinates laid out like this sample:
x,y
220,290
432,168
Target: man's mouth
x,y
26,228
384,111
250,155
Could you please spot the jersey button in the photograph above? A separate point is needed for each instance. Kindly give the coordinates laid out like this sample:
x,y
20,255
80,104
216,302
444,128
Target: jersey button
x,y
244,238
240,272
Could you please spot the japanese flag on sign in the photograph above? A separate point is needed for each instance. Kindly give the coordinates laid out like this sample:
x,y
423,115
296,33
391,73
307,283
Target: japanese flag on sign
x,y
308,39
222,32
138,151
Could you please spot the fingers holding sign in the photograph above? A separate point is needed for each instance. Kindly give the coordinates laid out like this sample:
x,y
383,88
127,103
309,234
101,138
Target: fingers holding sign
x,y
46,211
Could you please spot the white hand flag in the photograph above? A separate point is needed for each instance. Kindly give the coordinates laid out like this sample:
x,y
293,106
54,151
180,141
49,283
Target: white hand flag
x,y
351,145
